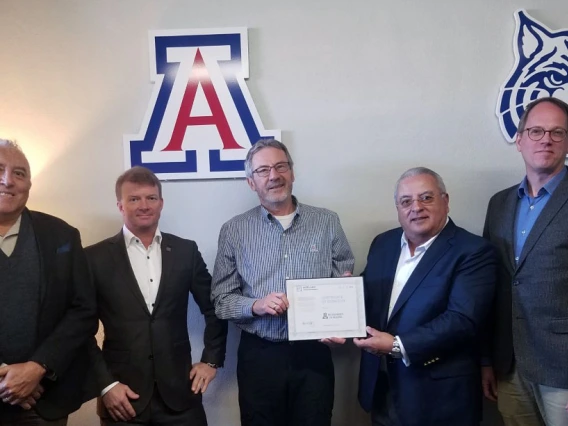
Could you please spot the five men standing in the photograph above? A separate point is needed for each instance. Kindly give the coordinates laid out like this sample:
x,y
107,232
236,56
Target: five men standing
x,y
429,289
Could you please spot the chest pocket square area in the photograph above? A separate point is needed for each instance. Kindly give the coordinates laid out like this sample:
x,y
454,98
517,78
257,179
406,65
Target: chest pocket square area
x,y
64,248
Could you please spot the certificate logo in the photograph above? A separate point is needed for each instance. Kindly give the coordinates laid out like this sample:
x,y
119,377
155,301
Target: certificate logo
x,y
201,119
540,70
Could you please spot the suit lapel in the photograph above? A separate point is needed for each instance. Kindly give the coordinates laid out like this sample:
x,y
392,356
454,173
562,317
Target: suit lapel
x,y
167,250
386,259
438,249
391,262
553,206
47,253
119,255
510,211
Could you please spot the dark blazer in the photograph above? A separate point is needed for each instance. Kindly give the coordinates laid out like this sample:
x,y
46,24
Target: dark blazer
x,y
140,348
437,317
66,320
531,304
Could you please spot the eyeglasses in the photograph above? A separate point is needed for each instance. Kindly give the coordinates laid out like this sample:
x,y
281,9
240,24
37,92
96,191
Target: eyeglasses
x,y
264,171
537,133
424,199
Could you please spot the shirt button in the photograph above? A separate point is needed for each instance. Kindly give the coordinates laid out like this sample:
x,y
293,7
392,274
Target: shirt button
x,y
285,256
532,207
151,280
522,232
147,257
517,258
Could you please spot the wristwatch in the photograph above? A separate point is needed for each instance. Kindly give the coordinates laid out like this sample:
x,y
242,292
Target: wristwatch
x,y
212,365
396,351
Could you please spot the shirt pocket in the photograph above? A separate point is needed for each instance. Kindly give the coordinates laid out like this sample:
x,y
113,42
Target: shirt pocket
x,y
312,264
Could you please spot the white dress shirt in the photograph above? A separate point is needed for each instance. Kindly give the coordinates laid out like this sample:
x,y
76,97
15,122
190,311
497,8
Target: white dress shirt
x,y
407,263
146,264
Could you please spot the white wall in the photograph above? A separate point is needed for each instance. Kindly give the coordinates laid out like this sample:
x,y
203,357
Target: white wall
x,y
362,91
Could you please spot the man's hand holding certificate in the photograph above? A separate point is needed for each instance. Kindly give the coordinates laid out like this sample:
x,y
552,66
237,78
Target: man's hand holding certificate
x,y
325,307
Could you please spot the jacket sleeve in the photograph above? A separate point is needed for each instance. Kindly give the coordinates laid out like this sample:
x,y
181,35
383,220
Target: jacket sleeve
x,y
78,323
215,334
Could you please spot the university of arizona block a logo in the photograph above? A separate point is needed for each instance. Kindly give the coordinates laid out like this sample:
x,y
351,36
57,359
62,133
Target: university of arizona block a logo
x,y
541,69
201,120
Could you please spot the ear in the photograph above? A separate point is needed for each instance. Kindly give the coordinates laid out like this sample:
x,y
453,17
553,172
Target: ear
x,y
251,184
531,36
120,207
518,141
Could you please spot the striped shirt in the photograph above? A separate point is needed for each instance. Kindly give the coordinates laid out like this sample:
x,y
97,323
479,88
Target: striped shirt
x,y
256,255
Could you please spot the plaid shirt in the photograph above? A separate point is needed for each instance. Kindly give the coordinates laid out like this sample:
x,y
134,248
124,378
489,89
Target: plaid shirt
x,y
256,256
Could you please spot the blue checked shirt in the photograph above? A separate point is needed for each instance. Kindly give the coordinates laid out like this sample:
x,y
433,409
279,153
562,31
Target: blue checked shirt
x,y
256,255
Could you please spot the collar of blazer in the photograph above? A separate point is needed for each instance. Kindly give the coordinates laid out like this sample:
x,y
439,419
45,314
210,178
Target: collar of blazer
x,y
438,249
120,258
555,204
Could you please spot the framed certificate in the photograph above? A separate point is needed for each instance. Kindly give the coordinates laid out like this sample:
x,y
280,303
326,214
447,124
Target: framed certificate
x,y
326,307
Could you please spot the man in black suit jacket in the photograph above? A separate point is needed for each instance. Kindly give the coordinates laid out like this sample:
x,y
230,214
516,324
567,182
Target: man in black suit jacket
x,y
428,290
47,305
528,224
143,279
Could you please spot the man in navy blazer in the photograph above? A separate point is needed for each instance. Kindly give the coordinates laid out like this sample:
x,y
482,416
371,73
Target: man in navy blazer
x,y
428,290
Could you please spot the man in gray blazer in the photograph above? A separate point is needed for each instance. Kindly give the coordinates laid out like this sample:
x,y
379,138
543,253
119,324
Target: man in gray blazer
x,y
527,355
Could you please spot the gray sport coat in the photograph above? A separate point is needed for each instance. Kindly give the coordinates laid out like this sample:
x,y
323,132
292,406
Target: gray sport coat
x,y
530,325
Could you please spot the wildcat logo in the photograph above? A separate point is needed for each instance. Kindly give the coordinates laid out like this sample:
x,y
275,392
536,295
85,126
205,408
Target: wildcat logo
x,y
201,120
541,69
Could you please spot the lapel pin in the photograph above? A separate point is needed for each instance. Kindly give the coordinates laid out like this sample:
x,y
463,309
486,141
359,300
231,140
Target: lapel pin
x,y
168,248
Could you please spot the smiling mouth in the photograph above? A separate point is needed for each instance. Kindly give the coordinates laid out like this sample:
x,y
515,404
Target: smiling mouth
x,y
6,194
418,219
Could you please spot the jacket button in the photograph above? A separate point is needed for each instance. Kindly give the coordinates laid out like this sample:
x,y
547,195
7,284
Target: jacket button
x,y
516,283
151,357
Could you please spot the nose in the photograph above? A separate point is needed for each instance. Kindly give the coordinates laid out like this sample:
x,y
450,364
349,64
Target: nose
x,y
416,205
6,178
546,139
273,174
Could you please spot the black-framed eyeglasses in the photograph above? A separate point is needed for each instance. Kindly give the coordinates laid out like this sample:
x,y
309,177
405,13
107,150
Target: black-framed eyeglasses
x,y
537,133
264,171
424,199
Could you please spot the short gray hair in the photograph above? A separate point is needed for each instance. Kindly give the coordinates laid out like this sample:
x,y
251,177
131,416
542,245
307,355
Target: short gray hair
x,y
9,143
416,171
12,144
260,145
